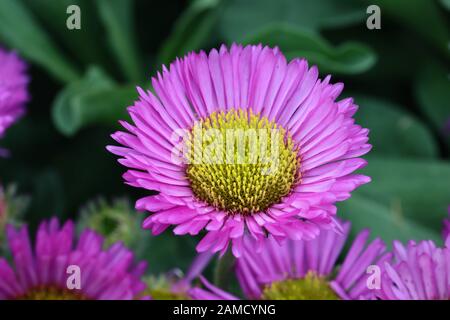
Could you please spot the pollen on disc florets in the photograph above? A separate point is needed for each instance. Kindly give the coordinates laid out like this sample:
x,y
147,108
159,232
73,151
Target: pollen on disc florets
x,y
311,287
241,162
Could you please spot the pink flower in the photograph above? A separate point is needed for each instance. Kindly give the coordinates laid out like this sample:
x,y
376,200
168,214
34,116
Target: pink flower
x,y
13,89
304,270
419,271
40,272
201,98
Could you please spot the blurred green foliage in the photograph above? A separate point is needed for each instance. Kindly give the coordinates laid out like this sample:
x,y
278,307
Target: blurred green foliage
x,y
83,80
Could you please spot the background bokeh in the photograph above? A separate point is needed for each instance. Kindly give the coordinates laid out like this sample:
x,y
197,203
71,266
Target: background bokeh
x,y
82,81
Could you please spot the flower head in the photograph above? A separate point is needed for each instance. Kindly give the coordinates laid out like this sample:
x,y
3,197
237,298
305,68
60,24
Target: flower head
x,y
12,207
419,271
40,273
304,270
13,89
115,221
241,141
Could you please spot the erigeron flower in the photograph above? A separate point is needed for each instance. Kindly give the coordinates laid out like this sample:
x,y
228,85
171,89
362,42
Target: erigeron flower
x,y
40,272
418,271
13,89
304,270
240,141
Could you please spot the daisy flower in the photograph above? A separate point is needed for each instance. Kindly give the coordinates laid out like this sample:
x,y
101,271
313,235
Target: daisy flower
x,y
240,141
41,272
419,271
13,89
304,270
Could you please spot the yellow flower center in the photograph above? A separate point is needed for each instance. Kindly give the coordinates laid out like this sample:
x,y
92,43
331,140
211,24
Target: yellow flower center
x,y
52,293
311,287
160,294
240,162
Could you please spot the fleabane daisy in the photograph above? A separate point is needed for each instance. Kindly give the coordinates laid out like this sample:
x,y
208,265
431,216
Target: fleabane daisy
x,y
13,89
419,271
41,272
240,141
304,270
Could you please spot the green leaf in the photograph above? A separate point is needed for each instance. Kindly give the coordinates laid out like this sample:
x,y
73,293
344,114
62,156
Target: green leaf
x,y
384,221
117,16
422,16
415,189
53,15
393,131
20,31
446,4
106,106
348,58
191,30
433,94
241,18
93,100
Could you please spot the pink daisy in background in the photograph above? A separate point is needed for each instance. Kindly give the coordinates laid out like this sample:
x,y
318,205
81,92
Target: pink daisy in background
x,y
40,272
181,145
304,270
418,271
13,89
